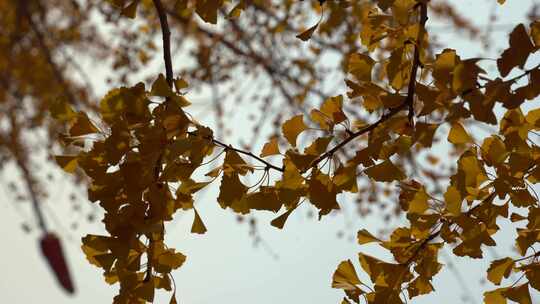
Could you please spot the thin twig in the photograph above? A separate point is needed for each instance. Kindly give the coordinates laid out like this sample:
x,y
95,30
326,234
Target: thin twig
x,y
166,32
416,59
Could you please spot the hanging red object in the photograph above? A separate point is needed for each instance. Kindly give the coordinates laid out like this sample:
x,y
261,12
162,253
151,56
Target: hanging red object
x,y
52,250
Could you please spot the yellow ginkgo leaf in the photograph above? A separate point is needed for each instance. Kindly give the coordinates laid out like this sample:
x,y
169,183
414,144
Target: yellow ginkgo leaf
x,y
495,296
270,148
419,286
198,225
365,237
519,294
82,126
360,66
173,299
130,11
306,35
458,135
208,10
292,128
453,201
533,118
146,290
66,162
385,172
345,276
180,83
279,221
419,203
62,111
171,260
517,53
499,269
535,32
493,150
160,87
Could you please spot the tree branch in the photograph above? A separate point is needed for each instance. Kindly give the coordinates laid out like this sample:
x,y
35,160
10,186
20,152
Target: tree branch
x,y
422,4
166,33
248,153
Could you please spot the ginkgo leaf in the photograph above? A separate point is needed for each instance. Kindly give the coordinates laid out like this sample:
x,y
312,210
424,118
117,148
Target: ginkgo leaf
x,y
173,299
292,128
62,111
322,193
419,203
82,126
105,260
465,75
363,236
517,53
160,87
180,83
208,10
385,4
522,198
170,260
270,148
146,290
370,265
236,11
345,179
453,201
419,286
345,276
306,35
264,199
231,190
458,135
319,146
333,109
499,269
533,117
198,225
535,33
233,162
130,11
163,282
66,162
360,66
493,150
385,172
345,301
495,296
279,221
177,171
519,294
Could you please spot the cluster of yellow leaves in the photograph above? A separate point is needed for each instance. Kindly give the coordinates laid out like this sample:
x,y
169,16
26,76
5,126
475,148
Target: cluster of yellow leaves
x,y
489,178
131,169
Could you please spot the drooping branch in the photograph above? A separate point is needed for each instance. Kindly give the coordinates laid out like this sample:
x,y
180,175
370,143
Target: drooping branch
x,y
166,33
422,5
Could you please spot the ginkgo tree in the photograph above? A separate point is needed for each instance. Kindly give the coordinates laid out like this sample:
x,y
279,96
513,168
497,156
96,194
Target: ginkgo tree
x,y
149,156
